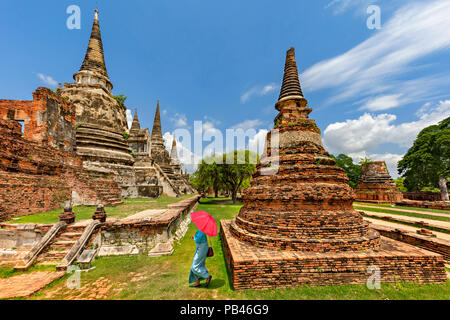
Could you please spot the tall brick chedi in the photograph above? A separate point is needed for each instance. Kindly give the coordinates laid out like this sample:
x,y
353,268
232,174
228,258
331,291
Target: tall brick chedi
x,y
101,120
298,224
307,204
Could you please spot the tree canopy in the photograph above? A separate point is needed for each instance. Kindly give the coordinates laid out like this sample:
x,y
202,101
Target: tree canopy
x,y
352,170
230,172
426,164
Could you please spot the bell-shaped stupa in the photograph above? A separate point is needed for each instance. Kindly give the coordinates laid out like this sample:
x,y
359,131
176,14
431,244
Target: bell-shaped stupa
x,y
298,225
299,199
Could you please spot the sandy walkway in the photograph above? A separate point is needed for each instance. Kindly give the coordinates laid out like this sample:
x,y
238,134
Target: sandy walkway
x,y
25,285
447,215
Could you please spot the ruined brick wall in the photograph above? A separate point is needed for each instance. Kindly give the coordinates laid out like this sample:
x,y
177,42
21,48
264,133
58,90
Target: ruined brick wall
x,y
438,205
422,196
36,178
440,246
48,119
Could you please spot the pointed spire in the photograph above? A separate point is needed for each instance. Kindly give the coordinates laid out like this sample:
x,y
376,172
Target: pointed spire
x,y
291,84
135,125
94,61
156,132
174,152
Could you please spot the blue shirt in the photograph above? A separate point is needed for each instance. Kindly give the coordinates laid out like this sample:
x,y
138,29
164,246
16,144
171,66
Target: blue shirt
x,y
200,237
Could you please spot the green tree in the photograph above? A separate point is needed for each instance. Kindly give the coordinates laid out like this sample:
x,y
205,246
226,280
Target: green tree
x,y
121,100
352,170
198,183
236,173
426,164
210,172
400,183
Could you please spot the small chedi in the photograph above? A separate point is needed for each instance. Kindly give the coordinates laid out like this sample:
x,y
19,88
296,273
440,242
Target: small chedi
x,y
298,225
376,184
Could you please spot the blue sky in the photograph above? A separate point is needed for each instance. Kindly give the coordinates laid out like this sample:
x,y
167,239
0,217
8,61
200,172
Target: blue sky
x,y
222,63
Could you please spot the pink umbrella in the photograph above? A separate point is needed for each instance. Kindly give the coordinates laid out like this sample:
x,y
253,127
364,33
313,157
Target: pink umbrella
x,y
205,222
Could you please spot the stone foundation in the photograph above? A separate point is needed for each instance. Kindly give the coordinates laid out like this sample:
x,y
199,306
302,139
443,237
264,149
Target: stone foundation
x,y
17,240
437,205
153,232
440,246
422,196
257,268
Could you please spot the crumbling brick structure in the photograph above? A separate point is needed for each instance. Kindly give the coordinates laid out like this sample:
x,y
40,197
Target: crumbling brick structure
x,y
47,119
376,185
298,225
422,196
41,173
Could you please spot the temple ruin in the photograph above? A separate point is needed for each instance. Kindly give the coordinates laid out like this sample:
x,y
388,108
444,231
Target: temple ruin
x,y
75,145
298,225
376,185
39,169
138,160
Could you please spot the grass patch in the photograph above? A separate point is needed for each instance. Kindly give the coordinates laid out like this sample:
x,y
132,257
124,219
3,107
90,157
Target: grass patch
x,y
141,277
404,213
130,207
6,272
387,205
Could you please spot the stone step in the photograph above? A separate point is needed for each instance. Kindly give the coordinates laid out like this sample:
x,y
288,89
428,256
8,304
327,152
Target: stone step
x,y
63,244
70,236
49,263
55,255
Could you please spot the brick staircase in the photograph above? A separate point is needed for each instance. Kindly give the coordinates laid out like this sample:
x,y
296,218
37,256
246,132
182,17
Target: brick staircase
x,y
110,195
61,246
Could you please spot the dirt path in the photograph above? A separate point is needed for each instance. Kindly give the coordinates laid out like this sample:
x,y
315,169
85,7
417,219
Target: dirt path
x,y
432,223
407,210
439,235
25,285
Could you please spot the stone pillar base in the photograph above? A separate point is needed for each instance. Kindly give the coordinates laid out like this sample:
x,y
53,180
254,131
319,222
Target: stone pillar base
x,y
257,268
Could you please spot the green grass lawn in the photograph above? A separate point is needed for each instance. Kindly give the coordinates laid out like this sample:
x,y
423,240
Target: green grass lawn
x,y
387,205
130,206
141,277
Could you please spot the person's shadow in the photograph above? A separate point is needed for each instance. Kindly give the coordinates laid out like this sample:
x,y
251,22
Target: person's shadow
x,y
216,283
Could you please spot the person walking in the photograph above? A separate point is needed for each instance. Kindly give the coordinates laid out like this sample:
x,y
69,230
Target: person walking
x,y
207,227
198,268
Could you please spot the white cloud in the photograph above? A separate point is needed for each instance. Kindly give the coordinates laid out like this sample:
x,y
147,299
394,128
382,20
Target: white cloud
x,y
47,80
341,6
370,131
382,103
129,118
390,159
415,31
248,124
179,120
257,143
258,91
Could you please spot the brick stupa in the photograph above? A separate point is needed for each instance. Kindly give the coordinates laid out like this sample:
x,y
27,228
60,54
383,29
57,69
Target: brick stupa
x,y
376,185
298,225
